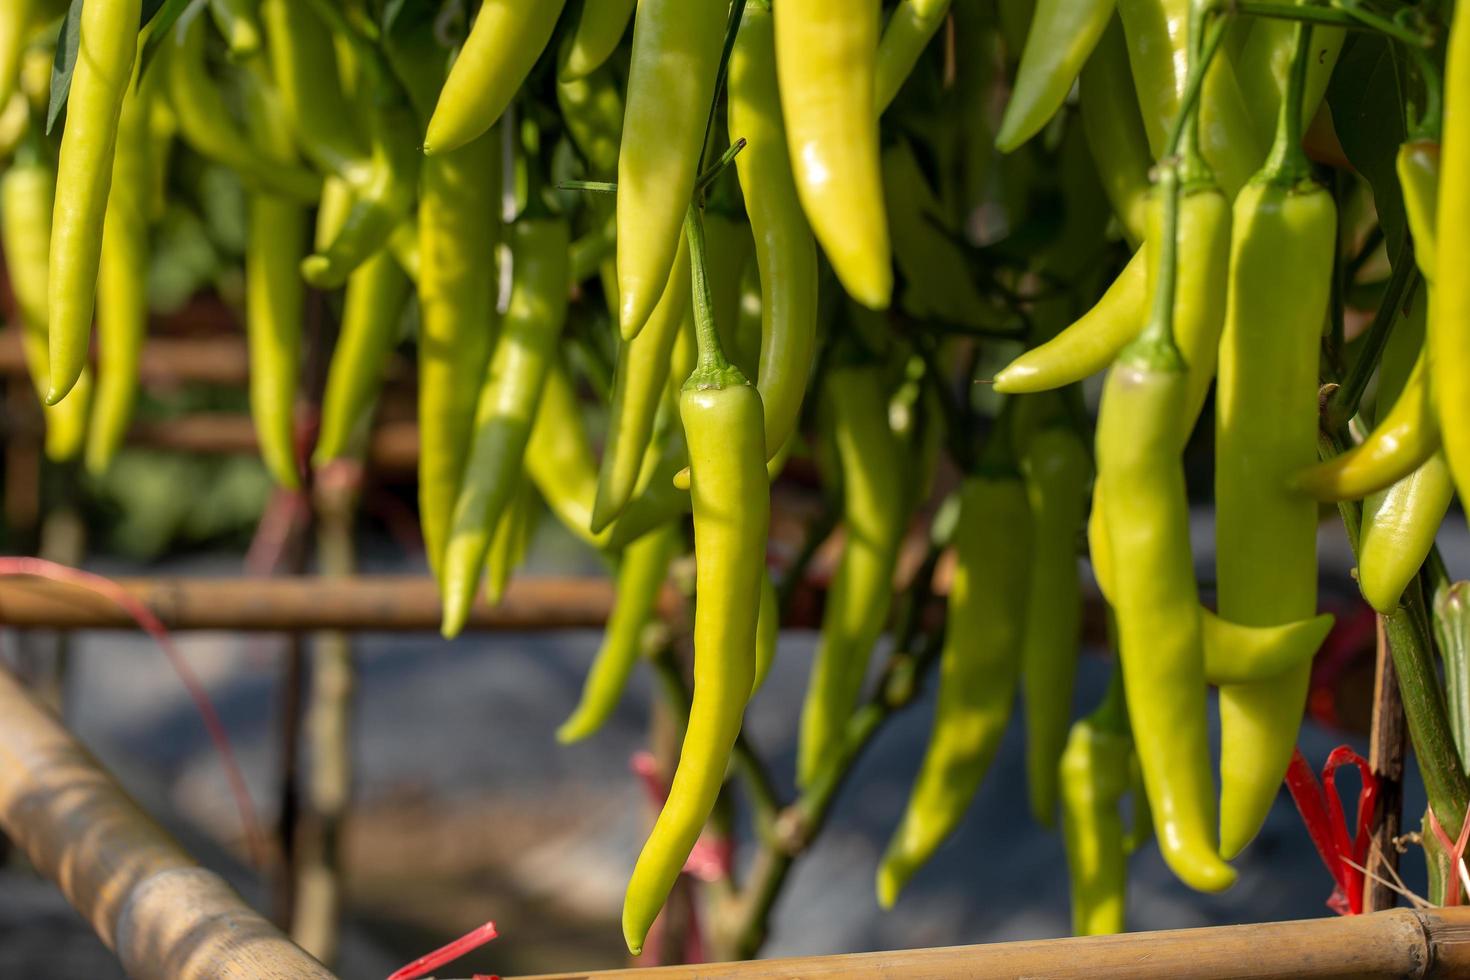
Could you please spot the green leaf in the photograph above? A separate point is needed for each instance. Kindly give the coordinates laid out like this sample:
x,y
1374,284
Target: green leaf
x,y
1367,102
169,12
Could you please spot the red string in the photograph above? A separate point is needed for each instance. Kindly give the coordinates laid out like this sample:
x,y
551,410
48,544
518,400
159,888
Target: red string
x,y
1456,852
1322,813
153,626
449,952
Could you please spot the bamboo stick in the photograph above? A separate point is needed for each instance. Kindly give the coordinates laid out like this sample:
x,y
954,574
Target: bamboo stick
x,y
386,603
163,915
217,360
1392,944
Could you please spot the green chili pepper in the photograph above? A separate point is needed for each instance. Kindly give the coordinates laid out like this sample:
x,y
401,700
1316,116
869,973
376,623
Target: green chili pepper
x,y
1094,774
305,66
505,41
657,500
1264,64
1062,35
908,32
721,412
27,192
1449,306
1057,470
978,668
108,31
825,56
1114,130
767,633
592,108
18,22
511,541
239,22
508,401
671,82
639,382
601,25
122,280
459,206
1418,169
205,123
875,516
1285,228
559,458
371,313
640,581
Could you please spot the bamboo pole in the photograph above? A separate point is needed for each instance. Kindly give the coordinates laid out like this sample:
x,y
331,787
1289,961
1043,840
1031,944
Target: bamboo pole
x,y
162,914
394,446
364,603
1393,944
218,360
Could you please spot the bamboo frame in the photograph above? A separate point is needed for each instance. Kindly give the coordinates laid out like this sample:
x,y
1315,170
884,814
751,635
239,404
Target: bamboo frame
x,y
1392,944
162,914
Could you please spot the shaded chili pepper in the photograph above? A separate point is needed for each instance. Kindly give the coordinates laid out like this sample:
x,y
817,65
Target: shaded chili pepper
x,y
592,108
671,83
122,280
825,57
601,25
907,33
1114,131
511,541
18,21
239,22
978,668
657,500
875,516
721,412
640,581
108,32
371,314
205,123
640,380
509,397
767,633
1095,770
1061,36
559,457
1263,66
27,192
459,207
504,42
1057,472
1449,310
1285,238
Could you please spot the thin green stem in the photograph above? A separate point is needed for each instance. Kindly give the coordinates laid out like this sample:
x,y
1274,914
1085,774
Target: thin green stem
x,y
713,366
1189,99
1335,16
732,28
713,173
596,186
1288,162
1382,25
1345,401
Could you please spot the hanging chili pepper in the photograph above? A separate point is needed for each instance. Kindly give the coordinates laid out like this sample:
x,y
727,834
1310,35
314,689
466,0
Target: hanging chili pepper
x,y
1114,130
108,32
671,83
978,668
1061,36
601,25
504,42
1449,313
825,54
559,458
908,32
507,405
1094,776
239,22
511,541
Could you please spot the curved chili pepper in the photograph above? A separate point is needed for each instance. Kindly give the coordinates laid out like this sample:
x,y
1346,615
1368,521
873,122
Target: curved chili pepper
x,y
767,633
908,32
18,21
1418,168
308,77
600,28
1264,64
27,190
978,667
639,382
371,313
459,207
1062,35
875,517
108,45
671,82
122,280
825,56
640,581
1057,471
509,397
1449,306
504,42
1094,774
239,22
721,412
511,541
559,458
1090,344
1114,131
204,122
1285,228
592,108
658,500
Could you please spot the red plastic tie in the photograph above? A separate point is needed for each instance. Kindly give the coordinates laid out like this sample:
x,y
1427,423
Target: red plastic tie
x,y
1322,812
1455,849
447,953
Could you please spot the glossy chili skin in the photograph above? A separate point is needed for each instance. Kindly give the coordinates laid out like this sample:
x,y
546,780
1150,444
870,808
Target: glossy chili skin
x,y
508,400
1094,775
671,82
1114,130
371,315
122,280
731,516
640,580
504,42
104,68
1062,35
978,669
1449,310
907,33
600,28
874,518
1285,228
1057,473
459,206
825,56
